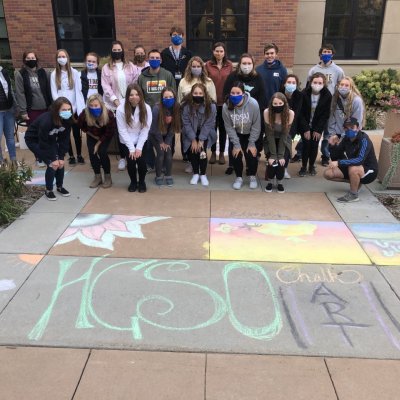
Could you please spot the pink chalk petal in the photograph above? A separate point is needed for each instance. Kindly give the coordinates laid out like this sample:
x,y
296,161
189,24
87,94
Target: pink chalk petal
x,y
93,232
115,225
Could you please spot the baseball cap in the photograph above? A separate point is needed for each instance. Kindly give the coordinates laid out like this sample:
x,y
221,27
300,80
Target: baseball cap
x,y
350,122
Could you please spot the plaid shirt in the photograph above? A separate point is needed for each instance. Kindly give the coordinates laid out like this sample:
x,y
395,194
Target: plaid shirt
x,y
103,133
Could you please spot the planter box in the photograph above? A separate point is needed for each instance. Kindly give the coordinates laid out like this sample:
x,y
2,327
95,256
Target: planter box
x,y
392,124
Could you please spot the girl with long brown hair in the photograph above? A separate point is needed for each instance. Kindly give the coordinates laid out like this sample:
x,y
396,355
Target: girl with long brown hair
x,y
134,119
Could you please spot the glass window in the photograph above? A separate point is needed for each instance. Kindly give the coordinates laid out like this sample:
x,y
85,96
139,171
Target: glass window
x,y
83,26
5,52
210,21
354,27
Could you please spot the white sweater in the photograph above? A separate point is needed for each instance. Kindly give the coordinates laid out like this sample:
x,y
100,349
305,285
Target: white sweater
x,y
133,137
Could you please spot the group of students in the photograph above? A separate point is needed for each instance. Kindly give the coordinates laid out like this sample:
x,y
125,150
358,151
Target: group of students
x,y
146,102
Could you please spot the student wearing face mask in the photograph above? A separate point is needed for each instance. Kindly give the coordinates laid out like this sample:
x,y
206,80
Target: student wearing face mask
x,y
48,137
175,57
333,74
99,125
32,90
313,118
218,69
116,76
346,103
254,86
65,81
91,76
354,159
139,57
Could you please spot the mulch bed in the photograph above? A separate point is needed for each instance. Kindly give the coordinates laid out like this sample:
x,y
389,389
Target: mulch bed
x,y
391,202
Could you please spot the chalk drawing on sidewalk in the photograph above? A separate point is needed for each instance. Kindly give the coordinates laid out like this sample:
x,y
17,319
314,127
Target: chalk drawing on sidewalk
x,y
380,241
100,230
38,178
284,241
7,284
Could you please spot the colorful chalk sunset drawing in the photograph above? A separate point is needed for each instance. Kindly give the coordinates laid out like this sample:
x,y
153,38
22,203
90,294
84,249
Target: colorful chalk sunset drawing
x,y
100,230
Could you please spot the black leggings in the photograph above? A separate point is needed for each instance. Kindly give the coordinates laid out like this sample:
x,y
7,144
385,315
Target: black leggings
x,y
138,164
219,123
199,165
100,159
251,161
310,151
76,133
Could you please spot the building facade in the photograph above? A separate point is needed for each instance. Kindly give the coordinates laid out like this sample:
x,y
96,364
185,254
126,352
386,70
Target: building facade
x,y
366,33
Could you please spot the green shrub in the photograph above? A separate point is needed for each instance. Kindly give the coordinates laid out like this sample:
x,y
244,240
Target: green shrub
x,y
12,186
376,86
370,119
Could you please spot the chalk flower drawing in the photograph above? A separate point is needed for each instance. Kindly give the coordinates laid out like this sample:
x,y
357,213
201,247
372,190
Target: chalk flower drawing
x,y
100,230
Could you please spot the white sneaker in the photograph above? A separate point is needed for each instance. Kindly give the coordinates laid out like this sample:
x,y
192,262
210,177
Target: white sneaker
x,y
287,175
195,179
253,182
237,185
204,180
40,164
122,164
189,169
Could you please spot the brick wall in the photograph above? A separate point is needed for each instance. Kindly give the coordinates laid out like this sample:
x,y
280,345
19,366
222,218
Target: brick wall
x,y
30,25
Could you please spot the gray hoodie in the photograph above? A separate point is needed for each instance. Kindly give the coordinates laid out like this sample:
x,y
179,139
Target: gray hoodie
x,y
243,120
333,73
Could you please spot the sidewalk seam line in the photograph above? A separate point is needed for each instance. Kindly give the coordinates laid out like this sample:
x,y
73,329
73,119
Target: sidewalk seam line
x,y
81,376
330,377
205,377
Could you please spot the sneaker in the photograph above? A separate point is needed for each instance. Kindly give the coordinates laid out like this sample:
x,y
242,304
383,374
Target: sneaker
x,y
253,182
40,164
169,181
142,187
50,195
280,188
302,172
159,180
195,179
229,171
189,169
268,188
287,175
237,185
132,187
81,160
122,164
324,161
296,158
71,161
312,171
204,180
64,192
348,198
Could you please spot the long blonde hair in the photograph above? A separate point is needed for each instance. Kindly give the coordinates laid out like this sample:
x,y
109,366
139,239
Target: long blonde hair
x,y
188,71
348,109
69,70
90,119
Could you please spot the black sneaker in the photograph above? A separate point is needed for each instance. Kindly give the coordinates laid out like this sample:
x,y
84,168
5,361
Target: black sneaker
x,y
312,171
72,161
268,188
64,192
302,172
81,160
280,188
324,161
229,171
132,187
296,158
142,187
50,195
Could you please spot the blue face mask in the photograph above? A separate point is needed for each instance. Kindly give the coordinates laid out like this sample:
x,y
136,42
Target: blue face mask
x,y
350,133
177,40
154,63
235,100
96,112
290,87
169,103
91,66
326,58
65,114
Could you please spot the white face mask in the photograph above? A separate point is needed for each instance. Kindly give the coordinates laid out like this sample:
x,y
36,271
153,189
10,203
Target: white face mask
x,y
246,69
316,87
62,61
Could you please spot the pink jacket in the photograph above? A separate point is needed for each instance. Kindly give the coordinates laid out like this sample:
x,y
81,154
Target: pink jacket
x,y
109,82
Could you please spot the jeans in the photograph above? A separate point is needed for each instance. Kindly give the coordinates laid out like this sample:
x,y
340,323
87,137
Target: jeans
x,y
324,144
163,159
219,123
7,125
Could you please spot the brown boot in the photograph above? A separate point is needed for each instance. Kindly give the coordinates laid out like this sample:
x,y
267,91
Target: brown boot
x,y
213,158
107,181
96,181
221,160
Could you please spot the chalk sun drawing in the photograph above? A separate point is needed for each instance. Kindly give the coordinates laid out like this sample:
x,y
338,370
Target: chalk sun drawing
x,y
100,230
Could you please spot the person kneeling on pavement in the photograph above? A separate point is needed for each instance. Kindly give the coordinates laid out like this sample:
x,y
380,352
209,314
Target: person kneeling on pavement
x,y
353,160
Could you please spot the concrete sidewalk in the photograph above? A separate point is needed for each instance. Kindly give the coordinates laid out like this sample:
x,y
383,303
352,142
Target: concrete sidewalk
x,y
208,292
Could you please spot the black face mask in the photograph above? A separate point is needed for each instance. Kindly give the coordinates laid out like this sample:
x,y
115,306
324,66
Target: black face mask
x,y
277,109
31,63
198,99
140,58
117,55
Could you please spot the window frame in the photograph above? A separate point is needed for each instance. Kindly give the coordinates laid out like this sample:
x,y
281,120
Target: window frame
x,y
5,40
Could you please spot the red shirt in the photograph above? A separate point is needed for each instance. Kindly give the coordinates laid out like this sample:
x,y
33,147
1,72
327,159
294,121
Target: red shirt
x,y
219,76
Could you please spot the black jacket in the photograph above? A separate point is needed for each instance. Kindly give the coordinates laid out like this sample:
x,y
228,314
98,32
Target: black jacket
x,y
9,99
53,140
44,84
358,152
85,83
172,65
321,114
